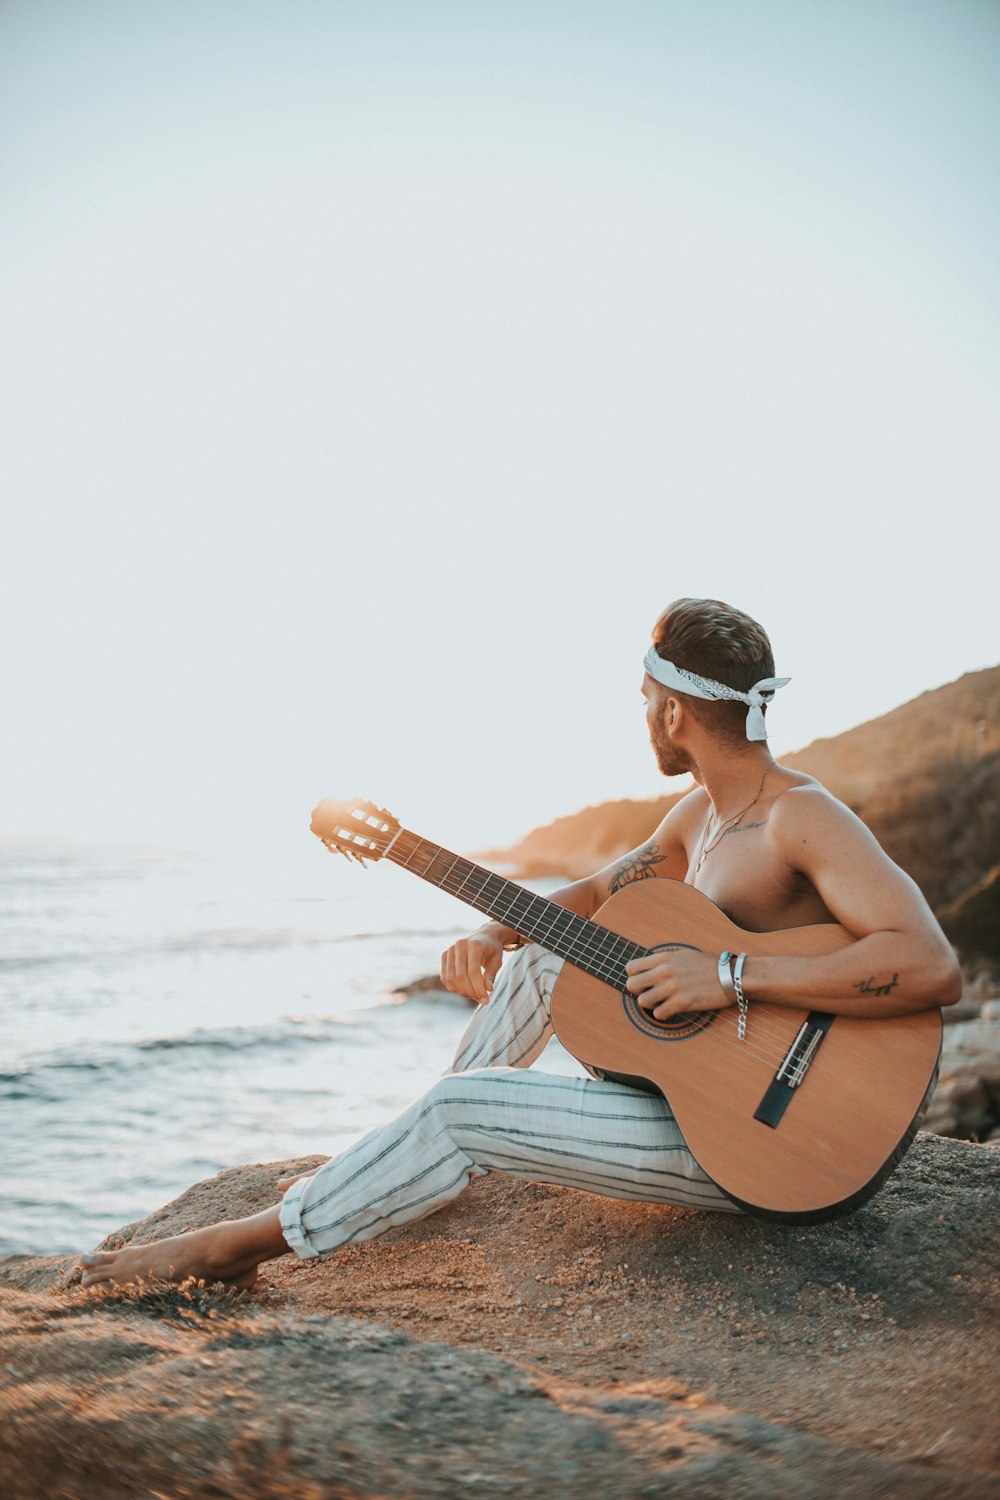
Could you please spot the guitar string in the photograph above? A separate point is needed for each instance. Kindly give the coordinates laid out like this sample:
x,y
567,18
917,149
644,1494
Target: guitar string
x,y
583,950
559,926
590,950
594,952
615,977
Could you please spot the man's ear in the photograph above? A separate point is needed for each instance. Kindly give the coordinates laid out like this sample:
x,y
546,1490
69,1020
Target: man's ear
x,y
673,711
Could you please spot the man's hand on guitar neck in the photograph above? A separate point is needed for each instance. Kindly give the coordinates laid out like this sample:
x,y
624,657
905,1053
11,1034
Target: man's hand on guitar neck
x,y
470,966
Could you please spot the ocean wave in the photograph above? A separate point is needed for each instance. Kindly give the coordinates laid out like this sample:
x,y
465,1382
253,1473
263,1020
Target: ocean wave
x,y
253,939
287,1032
39,1074
219,940
60,877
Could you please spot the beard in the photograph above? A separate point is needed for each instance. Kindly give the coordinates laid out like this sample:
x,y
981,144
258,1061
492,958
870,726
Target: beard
x,y
670,760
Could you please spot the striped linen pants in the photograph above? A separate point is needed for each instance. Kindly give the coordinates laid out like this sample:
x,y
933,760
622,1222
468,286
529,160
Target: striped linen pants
x,y
492,1114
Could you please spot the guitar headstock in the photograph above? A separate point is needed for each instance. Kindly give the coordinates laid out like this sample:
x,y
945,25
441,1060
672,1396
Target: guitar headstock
x,y
356,828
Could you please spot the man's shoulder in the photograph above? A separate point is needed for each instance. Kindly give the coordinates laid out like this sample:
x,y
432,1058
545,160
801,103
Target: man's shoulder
x,y
799,789
799,794
804,808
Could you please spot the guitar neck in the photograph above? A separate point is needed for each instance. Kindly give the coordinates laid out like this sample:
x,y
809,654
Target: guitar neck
x,y
590,947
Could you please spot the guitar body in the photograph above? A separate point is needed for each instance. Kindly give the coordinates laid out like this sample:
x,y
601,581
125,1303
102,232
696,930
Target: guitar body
x,y
798,1153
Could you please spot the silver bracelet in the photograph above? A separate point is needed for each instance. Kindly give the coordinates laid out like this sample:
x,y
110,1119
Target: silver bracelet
x,y
725,976
741,999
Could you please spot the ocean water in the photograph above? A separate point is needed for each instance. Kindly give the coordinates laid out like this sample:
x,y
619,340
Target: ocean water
x,y
165,1016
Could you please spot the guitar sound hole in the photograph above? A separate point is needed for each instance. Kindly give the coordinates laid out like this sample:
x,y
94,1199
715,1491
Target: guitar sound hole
x,y
675,1029
672,1023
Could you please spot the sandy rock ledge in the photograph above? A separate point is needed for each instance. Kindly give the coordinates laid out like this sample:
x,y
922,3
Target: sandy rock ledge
x,y
531,1341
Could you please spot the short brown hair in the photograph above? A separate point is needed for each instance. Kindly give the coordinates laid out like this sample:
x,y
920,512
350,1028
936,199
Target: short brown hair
x,y
714,640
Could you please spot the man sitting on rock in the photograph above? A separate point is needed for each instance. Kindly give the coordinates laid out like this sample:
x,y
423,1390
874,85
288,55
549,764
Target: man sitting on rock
x,y
768,845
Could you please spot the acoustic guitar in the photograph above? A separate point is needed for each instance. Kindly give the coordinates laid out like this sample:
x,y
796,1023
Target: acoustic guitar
x,y
799,1122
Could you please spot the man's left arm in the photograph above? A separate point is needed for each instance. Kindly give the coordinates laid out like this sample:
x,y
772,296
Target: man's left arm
x,y
900,961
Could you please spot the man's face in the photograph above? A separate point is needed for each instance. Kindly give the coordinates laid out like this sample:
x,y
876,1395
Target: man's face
x,y
670,759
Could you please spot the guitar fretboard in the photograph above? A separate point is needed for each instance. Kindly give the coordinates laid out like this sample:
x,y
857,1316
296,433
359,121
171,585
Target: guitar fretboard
x,y
583,943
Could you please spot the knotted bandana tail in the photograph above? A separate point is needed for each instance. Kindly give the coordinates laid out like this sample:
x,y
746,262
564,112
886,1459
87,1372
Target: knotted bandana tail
x,y
703,687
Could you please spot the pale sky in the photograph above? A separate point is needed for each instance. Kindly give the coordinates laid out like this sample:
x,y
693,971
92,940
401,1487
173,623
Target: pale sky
x,y
374,373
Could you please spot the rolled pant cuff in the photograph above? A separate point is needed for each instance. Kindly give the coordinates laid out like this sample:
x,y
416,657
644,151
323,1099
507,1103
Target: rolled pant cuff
x,y
290,1217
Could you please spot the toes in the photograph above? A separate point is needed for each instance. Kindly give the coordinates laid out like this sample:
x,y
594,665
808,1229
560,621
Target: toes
x,y
101,1266
94,1267
94,1278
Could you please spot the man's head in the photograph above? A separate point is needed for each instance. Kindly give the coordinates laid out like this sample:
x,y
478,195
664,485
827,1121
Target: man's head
x,y
712,640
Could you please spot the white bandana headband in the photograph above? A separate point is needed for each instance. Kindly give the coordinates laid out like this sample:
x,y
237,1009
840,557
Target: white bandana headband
x,y
703,687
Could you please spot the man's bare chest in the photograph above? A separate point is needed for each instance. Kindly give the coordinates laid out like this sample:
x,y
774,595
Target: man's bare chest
x,y
750,881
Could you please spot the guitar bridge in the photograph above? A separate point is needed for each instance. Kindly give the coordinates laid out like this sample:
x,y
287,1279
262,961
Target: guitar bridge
x,y
800,1054
793,1069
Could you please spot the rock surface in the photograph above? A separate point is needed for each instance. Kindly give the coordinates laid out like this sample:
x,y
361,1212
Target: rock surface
x,y
533,1341
966,1102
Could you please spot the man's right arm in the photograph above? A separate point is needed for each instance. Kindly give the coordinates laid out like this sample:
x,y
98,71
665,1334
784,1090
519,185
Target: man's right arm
x,y
470,966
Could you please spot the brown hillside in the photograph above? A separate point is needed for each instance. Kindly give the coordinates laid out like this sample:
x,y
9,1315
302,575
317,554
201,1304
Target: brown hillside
x,y
574,845
925,778
973,921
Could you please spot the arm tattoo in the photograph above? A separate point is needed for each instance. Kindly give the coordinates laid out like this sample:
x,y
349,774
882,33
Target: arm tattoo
x,y
869,987
637,866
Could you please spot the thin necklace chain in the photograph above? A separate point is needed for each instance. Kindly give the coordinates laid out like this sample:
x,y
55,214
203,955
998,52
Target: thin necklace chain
x,y
729,824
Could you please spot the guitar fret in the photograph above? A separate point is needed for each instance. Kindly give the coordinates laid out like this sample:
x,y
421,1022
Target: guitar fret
x,y
574,938
469,872
437,866
563,932
416,848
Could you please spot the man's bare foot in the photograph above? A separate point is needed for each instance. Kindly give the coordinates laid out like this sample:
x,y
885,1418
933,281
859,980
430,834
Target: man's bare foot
x,y
228,1253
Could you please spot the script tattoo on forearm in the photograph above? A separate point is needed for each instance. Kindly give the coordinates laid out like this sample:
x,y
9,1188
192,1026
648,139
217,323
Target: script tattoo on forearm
x,y
637,866
869,987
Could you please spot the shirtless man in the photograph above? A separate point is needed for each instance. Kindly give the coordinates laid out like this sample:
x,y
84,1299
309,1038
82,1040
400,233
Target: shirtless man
x,y
768,845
